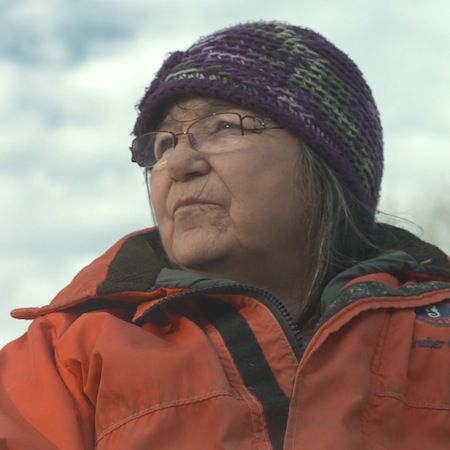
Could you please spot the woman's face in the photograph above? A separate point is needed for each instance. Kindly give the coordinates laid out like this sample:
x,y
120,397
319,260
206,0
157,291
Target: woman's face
x,y
235,214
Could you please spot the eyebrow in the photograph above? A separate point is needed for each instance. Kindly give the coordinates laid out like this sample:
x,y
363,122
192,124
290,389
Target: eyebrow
x,y
204,110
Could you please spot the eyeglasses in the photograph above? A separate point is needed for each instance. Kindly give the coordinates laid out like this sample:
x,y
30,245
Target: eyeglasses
x,y
214,133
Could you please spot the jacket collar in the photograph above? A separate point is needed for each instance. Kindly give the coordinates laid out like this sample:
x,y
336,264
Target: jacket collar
x,y
129,267
131,271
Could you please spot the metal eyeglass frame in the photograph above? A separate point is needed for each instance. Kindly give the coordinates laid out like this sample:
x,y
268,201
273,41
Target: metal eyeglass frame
x,y
262,126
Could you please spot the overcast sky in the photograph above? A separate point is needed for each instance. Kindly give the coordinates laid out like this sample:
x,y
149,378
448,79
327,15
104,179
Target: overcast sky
x,y
72,71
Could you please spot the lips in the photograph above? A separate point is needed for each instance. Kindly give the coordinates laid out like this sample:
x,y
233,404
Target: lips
x,y
190,201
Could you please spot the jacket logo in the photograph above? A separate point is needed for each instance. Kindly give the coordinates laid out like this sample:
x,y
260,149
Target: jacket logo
x,y
437,315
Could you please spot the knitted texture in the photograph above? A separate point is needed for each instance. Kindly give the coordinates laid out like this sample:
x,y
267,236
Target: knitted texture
x,y
292,75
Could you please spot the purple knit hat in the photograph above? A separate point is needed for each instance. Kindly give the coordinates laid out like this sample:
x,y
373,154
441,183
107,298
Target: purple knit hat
x,y
292,75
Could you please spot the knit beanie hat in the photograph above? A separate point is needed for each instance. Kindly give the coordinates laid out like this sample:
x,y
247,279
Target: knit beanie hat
x,y
289,74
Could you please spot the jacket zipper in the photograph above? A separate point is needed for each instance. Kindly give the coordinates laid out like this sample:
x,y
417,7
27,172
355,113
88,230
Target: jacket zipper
x,y
283,316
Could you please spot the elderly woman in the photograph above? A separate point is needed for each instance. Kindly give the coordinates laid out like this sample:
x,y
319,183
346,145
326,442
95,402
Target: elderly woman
x,y
267,309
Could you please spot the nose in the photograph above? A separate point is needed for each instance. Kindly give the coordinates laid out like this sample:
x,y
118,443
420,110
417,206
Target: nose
x,y
185,162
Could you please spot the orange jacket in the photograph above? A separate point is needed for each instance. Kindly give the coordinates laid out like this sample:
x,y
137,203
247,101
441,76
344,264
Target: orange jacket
x,y
130,358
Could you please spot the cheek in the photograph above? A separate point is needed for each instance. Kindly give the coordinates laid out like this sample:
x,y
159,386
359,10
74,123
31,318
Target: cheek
x,y
271,201
263,185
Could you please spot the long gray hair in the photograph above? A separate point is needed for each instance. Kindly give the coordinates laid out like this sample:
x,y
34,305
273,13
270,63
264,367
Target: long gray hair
x,y
338,235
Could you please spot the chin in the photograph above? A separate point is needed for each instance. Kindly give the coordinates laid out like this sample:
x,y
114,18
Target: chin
x,y
197,259
200,254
